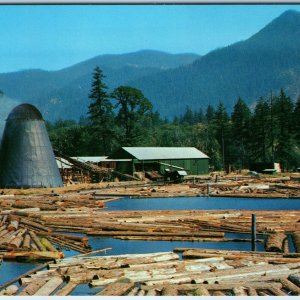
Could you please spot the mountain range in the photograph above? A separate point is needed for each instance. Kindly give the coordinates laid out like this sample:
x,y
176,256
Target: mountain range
x,y
267,61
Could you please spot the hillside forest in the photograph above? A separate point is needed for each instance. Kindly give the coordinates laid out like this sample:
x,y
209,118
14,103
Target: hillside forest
x,y
267,132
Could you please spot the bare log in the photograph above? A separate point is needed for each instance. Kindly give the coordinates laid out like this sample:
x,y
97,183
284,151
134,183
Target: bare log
x,y
26,242
218,293
295,278
277,292
240,291
33,287
252,291
13,225
202,291
117,289
10,290
37,241
67,289
296,240
289,286
48,245
33,255
169,291
275,242
49,287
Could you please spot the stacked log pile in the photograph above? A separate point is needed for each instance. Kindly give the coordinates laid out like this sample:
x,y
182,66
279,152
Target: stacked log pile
x,y
165,274
21,238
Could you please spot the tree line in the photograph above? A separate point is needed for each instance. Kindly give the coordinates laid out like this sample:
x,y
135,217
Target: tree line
x,y
268,132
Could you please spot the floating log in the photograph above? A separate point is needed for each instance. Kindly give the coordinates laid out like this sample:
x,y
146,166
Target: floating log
x,y
202,291
240,291
177,234
169,290
40,267
9,291
4,219
26,242
13,225
35,225
252,291
218,293
33,287
37,241
296,240
48,245
117,289
275,242
49,287
289,286
277,292
295,278
32,255
67,289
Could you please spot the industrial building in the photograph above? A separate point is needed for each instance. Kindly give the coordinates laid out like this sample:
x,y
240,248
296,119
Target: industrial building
x,y
26,155
160,159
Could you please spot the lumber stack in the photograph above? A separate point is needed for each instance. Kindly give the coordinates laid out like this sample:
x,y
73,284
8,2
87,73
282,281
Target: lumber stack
x,y
164,274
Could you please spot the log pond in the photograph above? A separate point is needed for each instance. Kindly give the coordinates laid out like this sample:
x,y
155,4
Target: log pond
x,y
10,270
206,203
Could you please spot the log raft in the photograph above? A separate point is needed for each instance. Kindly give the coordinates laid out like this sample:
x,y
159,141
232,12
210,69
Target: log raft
x,y
163,273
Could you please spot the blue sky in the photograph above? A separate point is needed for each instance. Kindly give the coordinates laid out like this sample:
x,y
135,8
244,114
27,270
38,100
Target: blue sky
x,y
52,37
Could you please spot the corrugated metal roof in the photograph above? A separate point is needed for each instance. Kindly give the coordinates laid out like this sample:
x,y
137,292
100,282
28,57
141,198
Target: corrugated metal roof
x,y
151,153
63,163
92,159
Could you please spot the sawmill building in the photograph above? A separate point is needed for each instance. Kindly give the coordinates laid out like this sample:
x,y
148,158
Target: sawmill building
x,y
146,159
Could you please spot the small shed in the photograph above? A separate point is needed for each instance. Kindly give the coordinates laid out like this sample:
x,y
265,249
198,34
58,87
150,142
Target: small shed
x,y
147,159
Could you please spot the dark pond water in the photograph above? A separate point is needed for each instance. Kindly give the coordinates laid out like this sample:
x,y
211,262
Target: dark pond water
x,y
208,203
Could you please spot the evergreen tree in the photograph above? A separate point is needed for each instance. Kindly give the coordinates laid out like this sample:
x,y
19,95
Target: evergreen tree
x,y
283,123
296,121
134,108
101,114
188,117
210,113
261,132
221,128
240,130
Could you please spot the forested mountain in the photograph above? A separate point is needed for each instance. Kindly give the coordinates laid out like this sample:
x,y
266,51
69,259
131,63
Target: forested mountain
x,y
267,61
6,105
64,93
